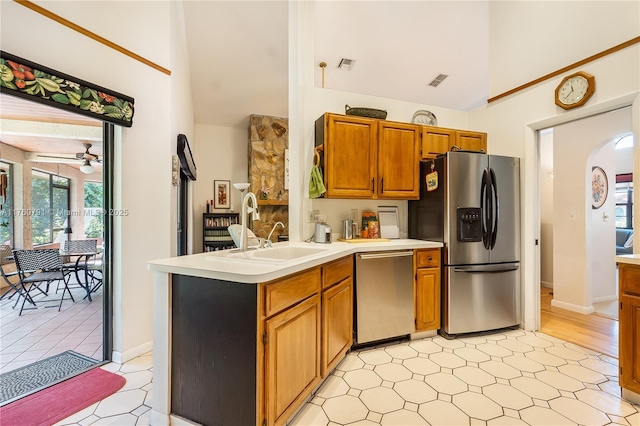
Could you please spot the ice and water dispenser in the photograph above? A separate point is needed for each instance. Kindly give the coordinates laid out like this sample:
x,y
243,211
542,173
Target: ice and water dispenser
x,y
469,224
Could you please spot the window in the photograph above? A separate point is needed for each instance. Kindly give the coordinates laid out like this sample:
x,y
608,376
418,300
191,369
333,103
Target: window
x,y
93,213
6,216
49,206
624,205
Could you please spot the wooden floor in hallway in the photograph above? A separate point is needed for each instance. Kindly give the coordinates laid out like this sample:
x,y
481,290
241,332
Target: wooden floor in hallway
x,y
593,332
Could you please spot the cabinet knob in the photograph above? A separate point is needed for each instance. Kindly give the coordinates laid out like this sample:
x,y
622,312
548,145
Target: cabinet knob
x,y
430,258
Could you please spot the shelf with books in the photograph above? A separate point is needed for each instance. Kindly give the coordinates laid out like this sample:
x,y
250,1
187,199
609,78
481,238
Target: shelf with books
x,y
215,235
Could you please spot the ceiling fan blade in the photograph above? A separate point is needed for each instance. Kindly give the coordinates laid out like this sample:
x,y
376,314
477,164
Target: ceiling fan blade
x,y
56,156
86,156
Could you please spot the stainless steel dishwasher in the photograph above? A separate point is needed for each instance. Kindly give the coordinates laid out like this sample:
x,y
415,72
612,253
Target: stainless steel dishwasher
x,y
384,295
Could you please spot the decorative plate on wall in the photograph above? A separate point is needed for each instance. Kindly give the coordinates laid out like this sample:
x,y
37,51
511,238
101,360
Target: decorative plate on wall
x,y
424,117
599,187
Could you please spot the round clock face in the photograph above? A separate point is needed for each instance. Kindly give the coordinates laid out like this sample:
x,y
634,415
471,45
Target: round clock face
x,y
573,90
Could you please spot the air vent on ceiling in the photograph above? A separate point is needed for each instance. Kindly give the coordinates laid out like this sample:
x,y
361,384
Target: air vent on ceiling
x,y
346,64
439,79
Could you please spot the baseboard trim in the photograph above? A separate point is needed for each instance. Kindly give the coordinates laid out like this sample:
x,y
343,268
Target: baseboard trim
x,y
604,299
122,357
586,310
630,396
546,284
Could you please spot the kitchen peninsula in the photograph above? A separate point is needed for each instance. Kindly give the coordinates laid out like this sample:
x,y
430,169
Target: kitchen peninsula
x,y
245,338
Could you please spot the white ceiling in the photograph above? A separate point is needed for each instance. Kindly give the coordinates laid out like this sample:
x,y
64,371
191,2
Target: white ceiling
x,y
238,54
36,128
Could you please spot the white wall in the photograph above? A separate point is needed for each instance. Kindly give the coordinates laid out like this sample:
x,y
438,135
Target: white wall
x,y
624,160
584,244
220,153
546,208
530,39
143,153
603,228
511,122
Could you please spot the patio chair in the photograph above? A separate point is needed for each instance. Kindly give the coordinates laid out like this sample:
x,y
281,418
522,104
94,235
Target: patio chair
x,y
89,266
36,268
5,252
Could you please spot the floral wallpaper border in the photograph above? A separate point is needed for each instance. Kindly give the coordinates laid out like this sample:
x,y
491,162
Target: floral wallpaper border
x,y
38,83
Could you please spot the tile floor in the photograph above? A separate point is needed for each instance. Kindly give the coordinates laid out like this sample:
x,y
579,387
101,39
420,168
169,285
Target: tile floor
x,y
41,333
512,378
129,406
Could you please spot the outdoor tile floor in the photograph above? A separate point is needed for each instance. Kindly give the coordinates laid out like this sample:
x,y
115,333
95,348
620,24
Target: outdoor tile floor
x,y
41,333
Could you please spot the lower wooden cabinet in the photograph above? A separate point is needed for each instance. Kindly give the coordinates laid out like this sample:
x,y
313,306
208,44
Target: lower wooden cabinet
x,y
427,289
305,328
337,324
292,359
629,318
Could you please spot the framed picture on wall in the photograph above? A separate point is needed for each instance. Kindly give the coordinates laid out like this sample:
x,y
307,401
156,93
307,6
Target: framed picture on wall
x,y
221,194
599,187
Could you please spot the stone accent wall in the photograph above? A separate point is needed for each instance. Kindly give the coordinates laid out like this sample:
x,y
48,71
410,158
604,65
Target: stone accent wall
x,y
268,139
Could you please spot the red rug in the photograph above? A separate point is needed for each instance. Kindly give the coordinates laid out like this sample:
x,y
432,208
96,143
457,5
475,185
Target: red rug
x,y
59,401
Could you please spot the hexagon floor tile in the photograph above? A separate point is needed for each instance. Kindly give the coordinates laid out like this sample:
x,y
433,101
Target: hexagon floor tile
x,y
432,381
503,379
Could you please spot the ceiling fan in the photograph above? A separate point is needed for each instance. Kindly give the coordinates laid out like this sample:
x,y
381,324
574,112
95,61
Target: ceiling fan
x,y
86,157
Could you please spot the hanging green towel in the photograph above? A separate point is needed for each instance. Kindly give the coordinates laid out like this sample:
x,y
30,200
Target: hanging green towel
x,y
316,183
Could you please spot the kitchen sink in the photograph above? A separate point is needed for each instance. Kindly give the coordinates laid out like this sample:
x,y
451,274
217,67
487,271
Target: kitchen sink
x,y
271,254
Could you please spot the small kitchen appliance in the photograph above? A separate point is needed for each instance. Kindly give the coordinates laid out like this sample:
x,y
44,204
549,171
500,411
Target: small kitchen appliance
x,y
347,229
323,233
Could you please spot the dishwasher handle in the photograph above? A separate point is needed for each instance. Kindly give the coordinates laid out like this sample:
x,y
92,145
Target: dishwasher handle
x,y
386,254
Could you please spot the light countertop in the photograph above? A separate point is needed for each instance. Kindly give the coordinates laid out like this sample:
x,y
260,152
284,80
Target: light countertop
x,y
633,259
216,265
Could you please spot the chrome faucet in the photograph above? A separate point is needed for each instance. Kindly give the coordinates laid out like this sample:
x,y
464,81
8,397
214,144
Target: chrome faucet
x,y
273,229
254,216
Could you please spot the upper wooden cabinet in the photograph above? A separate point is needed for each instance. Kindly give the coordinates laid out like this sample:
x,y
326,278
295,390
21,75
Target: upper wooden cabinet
x,y
471,141
436,141
369,158
439,140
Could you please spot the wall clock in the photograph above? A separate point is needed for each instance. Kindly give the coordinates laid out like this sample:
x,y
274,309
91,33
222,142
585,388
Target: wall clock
x,y
575,90
599,187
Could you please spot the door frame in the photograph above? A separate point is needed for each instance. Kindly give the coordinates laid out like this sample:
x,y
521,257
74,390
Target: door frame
x,y
531,201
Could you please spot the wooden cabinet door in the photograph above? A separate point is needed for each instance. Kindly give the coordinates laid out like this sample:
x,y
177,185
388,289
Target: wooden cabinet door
x,y
350,157
471,141
435,141
427,299
630,342
398,161
292,358
337,324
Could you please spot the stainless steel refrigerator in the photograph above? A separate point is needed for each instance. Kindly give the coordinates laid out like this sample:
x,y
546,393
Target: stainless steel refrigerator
x,y
474,209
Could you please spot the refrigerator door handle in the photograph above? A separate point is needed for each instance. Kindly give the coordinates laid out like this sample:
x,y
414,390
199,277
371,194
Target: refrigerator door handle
x,y
484,207
504,267
494,193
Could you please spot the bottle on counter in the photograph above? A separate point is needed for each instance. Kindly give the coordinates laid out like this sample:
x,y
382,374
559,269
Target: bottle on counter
x,y
374,226
208,207
365,225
